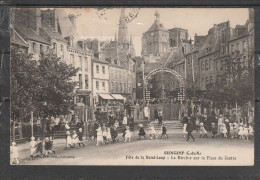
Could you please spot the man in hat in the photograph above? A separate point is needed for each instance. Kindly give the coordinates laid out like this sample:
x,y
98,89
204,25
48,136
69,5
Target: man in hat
x,y
189,129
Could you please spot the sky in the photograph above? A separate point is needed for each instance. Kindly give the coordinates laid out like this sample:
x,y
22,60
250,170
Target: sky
x,y
103,24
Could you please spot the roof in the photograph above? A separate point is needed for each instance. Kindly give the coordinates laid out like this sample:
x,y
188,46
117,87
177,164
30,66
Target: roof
x,y
50,32
105,96
27,33
94,59
66,27
18,40
157,27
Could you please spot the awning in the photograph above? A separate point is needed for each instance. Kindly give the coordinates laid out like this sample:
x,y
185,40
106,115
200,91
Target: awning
x,y
105,96
118,96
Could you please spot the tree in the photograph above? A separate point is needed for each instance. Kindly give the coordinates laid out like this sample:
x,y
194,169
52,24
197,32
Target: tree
x,y
235,85
44,86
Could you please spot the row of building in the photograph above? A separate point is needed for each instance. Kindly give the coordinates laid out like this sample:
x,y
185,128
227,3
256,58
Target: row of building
x,y
198,61
107,69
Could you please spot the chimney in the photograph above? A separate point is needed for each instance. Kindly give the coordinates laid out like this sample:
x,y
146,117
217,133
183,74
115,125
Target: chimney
x,y
72,19
33,18
38,21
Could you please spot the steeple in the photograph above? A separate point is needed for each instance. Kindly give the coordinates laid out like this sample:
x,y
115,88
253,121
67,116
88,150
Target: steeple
x,y
115,37
122,31
157,17
131,41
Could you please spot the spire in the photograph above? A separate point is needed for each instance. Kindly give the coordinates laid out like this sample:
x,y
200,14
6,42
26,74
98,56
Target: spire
x,y
157,17
122,31
115,37
131,40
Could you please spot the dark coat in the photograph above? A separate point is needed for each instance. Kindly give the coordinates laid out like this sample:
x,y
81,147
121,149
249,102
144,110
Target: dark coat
x,y
160,118
141,132
189,127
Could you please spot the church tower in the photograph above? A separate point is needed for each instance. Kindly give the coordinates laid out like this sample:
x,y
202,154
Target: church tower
x,y
156,40
122,31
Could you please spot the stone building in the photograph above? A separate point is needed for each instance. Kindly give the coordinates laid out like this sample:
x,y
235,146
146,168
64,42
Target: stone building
x,y
36,30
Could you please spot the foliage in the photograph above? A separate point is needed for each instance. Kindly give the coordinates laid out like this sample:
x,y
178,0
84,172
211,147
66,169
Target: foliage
x,y
233,86
42,86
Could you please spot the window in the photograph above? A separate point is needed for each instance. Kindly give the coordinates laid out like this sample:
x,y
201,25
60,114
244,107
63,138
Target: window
x,y
222,64
103,85
209,64
97,68
103,70
54,47
80,81
72,59
232,48
115,61
202,82
116,88
41,48
211,80
206,81
237,47
86,64
206,65
133,68
62,51
97,85
244,45
123,87
34,47
80,63
120,86
112,86
202,65
86,81
244,61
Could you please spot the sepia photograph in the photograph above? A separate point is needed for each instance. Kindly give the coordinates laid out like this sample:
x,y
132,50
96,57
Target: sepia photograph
x,y
132,86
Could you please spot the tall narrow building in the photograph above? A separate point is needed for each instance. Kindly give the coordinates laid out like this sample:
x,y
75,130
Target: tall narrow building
x,y
123,38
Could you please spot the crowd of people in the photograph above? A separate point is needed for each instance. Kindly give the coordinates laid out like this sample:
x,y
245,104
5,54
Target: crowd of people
x,y
217,126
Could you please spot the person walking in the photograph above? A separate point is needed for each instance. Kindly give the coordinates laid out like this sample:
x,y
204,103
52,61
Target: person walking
x,y
160,119
189,130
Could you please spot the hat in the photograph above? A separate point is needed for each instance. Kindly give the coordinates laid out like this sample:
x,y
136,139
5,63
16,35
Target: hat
x,y
201,124
67,133
226,120
13,143
140,125
80,129
32,138
74,131
127,127
241,124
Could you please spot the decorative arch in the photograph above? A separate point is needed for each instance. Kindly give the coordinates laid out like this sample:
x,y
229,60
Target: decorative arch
x,y
165,70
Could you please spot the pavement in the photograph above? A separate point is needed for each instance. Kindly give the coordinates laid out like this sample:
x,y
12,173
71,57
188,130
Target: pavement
x,y
242,152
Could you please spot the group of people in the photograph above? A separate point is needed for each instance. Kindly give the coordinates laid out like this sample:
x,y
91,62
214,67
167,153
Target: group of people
x,y
222,128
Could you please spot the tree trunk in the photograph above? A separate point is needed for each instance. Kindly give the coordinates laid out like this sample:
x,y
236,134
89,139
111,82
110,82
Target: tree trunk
x,y
19,128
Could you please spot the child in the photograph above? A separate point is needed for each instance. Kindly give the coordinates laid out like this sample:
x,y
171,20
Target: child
x,y
203,132
245,132
39,146
99,136
33,147
236,129
224,130
164,130
113,131
75,139
108,135
240,131
251,131
152,132
127,134
231,132
14,153
214,130
68,140
48,145
184,130
80,137
197,123
104,133
141,132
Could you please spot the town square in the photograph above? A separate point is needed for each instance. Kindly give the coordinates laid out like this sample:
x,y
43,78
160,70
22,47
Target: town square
x,y
131,86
